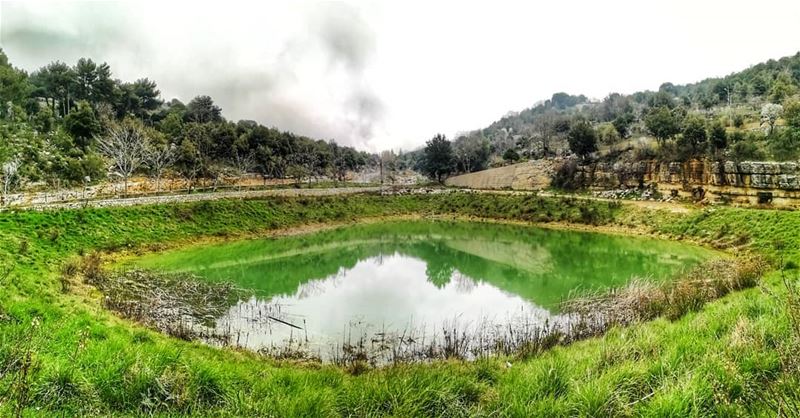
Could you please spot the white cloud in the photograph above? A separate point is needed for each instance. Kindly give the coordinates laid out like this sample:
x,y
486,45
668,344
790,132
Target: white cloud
x,y
391,74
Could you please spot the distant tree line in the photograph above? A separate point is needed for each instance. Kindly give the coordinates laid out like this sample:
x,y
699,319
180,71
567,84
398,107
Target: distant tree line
x,y
75,124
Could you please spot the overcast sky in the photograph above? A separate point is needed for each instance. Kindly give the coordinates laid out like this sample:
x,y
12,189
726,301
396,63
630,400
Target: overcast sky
x,y
391,74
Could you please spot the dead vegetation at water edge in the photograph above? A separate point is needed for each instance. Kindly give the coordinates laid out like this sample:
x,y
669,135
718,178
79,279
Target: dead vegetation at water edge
x,y
180,305
643,300
583,316
187,307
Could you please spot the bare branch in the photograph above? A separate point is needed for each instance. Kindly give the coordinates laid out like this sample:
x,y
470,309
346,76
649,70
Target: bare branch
x,y
124,146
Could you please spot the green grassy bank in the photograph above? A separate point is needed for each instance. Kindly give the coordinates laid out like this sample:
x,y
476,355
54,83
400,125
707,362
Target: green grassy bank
x,y
62,353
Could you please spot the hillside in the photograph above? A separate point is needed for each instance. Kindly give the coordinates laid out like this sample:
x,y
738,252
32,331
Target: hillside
x,y
750,114
76,125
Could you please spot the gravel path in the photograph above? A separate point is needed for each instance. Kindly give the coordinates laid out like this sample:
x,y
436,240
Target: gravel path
x,y
195,197
249,194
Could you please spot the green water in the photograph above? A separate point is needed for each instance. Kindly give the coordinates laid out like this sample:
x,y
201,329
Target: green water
x,y
417,273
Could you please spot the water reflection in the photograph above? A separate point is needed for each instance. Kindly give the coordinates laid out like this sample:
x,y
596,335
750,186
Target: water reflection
x,y
385,292
414,276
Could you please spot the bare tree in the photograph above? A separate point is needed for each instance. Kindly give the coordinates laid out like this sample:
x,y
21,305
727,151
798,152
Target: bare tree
x,y
124,146
770,113
388,161
9,171
158,158
544,128
472,153
243,163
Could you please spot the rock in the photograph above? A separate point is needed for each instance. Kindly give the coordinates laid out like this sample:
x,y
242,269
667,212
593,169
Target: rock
x,y
788,168
789,181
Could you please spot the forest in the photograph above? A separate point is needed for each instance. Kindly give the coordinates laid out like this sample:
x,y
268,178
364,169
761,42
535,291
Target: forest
x,y
68,125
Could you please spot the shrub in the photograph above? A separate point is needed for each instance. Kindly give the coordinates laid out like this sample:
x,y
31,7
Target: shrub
x,y
92,269
69,270
568,177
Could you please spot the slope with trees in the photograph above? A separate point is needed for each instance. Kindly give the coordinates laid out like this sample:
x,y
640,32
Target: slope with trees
x,y
65,125
751,114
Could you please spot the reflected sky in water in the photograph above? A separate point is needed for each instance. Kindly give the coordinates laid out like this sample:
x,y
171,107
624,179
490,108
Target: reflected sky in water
x,y
422,276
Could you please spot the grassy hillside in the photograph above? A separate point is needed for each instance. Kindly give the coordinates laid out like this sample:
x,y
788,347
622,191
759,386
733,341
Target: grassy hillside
x,y
62,353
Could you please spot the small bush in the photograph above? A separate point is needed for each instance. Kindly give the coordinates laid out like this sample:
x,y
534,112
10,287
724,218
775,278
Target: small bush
x,y
568,177
69,270
24,246
92,268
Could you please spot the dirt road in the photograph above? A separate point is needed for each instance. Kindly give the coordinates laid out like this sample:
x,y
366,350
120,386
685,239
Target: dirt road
x,y
249,194
195,197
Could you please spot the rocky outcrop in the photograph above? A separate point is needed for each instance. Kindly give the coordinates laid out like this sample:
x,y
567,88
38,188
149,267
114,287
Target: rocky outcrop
x,y
743,182
747,174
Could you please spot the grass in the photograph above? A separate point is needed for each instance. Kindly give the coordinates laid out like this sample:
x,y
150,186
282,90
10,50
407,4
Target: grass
x,y
61,353
644,300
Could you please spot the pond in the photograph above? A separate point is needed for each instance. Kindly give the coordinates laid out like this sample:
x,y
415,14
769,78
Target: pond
x,y
421,278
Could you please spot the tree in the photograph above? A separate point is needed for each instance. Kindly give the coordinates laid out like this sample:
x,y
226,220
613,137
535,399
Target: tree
x,y
56,83
344,159
243,162
511,155
608,134
320,159
614,106
10,170
471,152
13,84
172,126
770,113
791,114
544,126
139,99
717,136
124,146
224,141
438,160
662,123
582,139
786,145
93,82
694,134
83,125
202,109
200,160
388,165
269,164
662,99
159,155
563,100
782,87
189,161
622,124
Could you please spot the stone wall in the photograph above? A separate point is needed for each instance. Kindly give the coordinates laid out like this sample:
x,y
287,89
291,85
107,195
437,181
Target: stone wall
x,y
742,182
739,182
